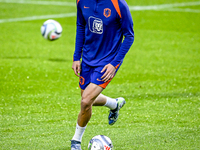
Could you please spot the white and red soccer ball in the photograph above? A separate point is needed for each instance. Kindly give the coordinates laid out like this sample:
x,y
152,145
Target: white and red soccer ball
x,y
51,30
100,142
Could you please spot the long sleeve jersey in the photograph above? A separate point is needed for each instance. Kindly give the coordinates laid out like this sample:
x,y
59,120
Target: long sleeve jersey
x,y
104,32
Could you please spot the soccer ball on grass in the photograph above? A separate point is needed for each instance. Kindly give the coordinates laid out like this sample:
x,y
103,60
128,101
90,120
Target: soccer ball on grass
x,y
100,142
51,30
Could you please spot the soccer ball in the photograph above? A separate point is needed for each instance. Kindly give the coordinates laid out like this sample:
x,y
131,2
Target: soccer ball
x,y
51,30
100,142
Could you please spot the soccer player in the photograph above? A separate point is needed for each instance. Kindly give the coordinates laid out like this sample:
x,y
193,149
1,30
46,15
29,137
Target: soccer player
x,y
103,37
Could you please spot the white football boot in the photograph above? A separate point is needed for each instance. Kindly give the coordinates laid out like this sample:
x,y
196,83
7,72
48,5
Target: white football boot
x,y
114,114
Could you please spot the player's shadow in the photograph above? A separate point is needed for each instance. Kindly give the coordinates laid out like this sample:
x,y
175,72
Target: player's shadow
x,y
58,60
28,57
65,148
17,57
164,95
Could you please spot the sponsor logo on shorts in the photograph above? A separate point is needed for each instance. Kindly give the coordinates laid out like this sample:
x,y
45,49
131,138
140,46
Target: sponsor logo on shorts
x,y
99,79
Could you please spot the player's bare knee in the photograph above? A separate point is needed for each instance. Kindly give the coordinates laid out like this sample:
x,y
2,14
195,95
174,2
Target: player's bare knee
x,y
85,105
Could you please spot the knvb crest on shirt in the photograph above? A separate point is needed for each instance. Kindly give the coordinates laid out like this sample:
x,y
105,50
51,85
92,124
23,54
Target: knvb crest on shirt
x,y
95,25
107,12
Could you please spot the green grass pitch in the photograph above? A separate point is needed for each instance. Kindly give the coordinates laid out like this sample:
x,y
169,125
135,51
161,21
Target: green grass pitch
x,y
160,79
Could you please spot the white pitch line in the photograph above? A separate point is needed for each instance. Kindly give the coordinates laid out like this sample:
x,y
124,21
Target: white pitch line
x,y
38,17
182,10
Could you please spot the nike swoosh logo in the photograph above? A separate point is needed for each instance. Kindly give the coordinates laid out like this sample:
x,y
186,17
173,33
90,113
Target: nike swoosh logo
x,y
86,7
98,79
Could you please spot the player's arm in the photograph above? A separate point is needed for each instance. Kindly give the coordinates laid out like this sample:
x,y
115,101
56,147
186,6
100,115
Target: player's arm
x,y
80,37
127,29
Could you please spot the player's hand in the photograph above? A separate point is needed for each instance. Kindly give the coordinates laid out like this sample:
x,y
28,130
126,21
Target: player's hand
x,y
109,72
76,66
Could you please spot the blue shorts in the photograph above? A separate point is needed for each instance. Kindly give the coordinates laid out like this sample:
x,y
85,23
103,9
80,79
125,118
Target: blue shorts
x,y
91,74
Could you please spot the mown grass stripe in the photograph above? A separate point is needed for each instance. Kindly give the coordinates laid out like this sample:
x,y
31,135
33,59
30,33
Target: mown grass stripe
x,y
162,7
40,2
38,17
